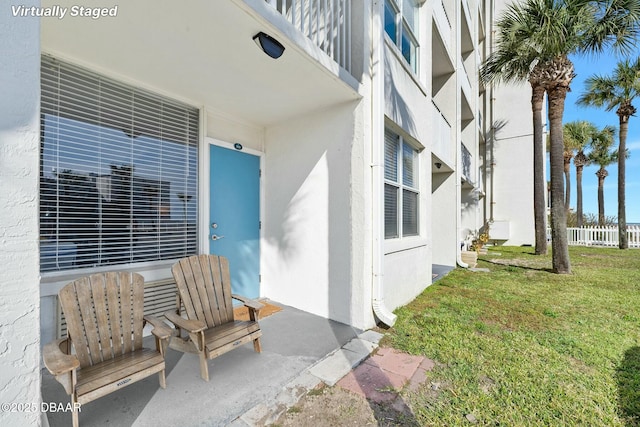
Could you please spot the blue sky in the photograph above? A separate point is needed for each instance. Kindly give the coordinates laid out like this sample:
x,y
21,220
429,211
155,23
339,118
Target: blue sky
x,y
584,68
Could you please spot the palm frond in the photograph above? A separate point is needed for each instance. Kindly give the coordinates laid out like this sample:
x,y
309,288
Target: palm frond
x,y
612,91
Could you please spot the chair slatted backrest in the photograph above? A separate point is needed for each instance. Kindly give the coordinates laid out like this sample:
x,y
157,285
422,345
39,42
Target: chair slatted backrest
x,y
204,284
104,314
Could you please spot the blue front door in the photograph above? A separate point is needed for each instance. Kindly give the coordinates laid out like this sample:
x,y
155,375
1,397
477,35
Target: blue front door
x,y
234,216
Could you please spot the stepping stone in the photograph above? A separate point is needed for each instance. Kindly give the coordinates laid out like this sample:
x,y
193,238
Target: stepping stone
x,y
373,383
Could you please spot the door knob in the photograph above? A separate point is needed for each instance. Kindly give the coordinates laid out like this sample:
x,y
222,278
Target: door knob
x,y
216,237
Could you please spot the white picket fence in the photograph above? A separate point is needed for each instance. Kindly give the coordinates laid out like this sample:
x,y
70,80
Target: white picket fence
x,y
601,236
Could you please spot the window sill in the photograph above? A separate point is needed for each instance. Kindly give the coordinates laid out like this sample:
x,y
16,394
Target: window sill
x,y
52,281
405,244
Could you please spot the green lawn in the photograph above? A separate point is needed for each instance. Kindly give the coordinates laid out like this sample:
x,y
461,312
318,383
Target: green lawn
x,y
520,346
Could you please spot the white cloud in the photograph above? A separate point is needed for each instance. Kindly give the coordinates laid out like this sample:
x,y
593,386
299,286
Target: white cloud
x,y
633,145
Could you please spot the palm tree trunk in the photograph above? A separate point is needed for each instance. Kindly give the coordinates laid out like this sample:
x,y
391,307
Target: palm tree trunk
x,y
602,174
560,247
579,195
622,152
567,182
539,181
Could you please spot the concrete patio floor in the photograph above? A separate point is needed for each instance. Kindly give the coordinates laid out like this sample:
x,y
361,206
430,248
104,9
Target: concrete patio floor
x,y
242,383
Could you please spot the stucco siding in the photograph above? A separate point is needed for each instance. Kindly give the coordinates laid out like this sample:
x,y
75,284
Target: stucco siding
x,y
306,260
19,156
513,158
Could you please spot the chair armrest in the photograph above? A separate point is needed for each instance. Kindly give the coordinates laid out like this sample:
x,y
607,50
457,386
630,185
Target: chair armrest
x,y
160,329
189,325
251,303
56,361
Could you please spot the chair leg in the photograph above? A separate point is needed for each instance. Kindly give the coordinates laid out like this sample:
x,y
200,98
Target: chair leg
x,y
163,380
256,345
74,412
204,369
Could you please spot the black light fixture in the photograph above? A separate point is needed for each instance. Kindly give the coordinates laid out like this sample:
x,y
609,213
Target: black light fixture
x,y
438,165
269,45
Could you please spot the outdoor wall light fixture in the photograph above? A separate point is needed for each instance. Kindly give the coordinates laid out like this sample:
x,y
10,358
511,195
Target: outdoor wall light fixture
x,y
269,45
438,165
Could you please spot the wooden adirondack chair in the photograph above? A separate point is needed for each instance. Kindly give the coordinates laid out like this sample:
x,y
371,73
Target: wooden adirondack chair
x,y
204,287
104,314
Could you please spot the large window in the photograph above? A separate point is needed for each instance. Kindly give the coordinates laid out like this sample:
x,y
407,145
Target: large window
x,y
401,25
400,187
118,172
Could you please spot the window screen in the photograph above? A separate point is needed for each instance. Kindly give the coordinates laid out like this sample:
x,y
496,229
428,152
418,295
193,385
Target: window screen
x,y
118,172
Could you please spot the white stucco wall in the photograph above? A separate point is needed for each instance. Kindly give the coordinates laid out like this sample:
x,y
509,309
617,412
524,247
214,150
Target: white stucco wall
x,y
443,225
19,156
232,130
510,181
513,170
405,100
407,261
306,250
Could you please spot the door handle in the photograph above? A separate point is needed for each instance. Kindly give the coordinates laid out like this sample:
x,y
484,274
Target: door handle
x,y
216,237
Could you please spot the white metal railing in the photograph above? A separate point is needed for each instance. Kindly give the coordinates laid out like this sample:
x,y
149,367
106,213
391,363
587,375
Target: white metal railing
x,y
325,22
468,166
465,81
442,18
600,236
441,135
467,14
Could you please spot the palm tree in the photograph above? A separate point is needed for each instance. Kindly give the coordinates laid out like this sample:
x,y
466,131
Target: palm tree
x,y
617,91
567,155
577,135
546,32
602,155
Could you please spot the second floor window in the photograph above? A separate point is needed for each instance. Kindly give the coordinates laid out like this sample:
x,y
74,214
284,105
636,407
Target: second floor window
x,y
401,25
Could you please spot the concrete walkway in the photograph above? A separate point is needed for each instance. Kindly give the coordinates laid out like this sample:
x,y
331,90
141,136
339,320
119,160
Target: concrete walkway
x,y
246,388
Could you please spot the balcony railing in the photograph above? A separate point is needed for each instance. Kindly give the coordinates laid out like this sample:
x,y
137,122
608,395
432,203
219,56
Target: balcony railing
x,y
465,81
468,167
467,14
325,22
441,135
444,24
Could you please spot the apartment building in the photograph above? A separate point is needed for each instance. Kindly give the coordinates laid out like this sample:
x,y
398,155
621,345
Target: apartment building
x,y
333,150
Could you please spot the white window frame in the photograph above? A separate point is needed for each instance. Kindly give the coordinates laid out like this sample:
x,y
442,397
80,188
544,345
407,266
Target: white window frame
x,y
403,28
401,187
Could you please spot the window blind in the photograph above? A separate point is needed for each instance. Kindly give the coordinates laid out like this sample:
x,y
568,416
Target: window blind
x,y
400,188
118,172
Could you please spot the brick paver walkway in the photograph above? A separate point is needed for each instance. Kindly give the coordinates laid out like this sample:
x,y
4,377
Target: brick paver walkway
x,y
380,377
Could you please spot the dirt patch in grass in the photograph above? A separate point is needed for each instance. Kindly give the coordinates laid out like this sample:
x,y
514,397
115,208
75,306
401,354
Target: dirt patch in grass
x,y
514,320
535,264
334,406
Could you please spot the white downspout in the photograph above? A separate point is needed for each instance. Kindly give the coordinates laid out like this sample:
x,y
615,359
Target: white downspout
x,y
458,133
377,166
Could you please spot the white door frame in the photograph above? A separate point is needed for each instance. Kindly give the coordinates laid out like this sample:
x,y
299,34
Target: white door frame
x,y
205,192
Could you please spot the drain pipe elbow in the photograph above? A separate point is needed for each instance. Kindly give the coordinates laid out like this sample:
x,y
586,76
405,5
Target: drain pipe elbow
x,y
382,313
380,309
460,262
